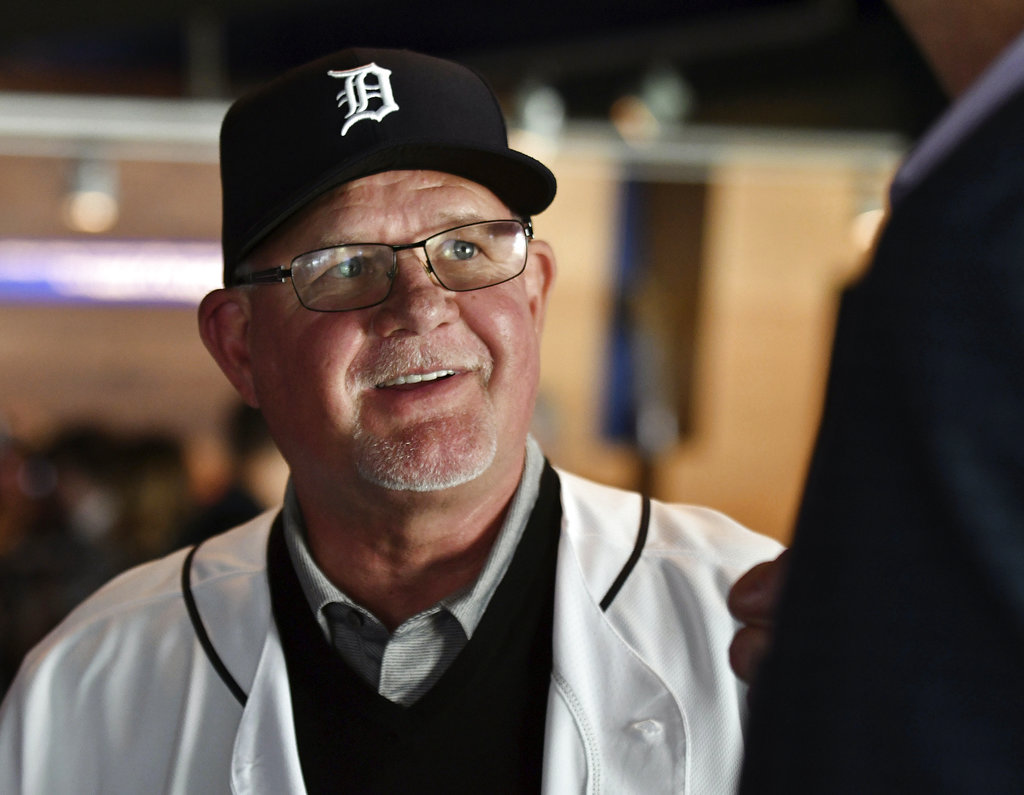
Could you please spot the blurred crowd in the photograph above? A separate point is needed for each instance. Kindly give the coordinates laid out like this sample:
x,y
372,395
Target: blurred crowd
x,y
89,502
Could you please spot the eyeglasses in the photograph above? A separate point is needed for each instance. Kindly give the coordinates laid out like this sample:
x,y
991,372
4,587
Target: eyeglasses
x,y
360,275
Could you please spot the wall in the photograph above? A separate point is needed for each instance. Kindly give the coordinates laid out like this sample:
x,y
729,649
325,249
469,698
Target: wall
x,y
778,246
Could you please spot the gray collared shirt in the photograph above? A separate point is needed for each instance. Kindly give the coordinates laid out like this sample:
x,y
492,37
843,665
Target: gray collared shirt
x,y
403,665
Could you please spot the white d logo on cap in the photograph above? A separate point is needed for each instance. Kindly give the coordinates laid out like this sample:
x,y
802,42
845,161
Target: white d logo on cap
x,y
363,85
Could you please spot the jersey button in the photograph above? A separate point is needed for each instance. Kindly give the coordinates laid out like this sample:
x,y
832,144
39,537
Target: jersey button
x,y
650,729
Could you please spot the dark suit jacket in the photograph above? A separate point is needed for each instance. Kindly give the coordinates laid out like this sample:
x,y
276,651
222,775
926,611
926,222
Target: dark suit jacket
x,y
899,659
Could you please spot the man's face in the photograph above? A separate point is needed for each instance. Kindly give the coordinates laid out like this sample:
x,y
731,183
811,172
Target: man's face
x,y
426,391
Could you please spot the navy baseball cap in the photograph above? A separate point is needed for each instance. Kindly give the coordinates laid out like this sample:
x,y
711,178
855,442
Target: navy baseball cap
x,y
355,113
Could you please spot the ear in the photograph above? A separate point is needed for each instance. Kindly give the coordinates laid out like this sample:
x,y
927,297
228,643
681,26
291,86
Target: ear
x,y
540,277
224,328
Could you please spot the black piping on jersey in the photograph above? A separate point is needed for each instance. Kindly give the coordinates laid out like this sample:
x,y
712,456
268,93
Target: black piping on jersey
x,y
201,633
638,547
236,689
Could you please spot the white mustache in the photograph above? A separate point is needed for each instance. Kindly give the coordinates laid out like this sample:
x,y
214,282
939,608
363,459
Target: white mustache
x,y
410,362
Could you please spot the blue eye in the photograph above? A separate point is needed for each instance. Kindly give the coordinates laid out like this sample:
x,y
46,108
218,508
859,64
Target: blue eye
x,y
459,250
348,268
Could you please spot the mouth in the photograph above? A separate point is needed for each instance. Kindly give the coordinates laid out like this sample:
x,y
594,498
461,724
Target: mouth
x,y
415,378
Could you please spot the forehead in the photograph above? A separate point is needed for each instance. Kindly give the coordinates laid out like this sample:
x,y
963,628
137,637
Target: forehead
x,y
400,202
413,186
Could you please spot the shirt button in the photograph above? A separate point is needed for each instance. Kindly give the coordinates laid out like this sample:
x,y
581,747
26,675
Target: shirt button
x,y
354,618
651,730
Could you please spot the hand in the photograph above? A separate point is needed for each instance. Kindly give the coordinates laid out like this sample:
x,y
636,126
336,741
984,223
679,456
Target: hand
x,y
753,601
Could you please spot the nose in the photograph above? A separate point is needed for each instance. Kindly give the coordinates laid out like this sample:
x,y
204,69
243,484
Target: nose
x,y
417,303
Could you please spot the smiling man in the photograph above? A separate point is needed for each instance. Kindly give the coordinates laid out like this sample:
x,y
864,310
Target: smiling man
x,y
406,439
434,608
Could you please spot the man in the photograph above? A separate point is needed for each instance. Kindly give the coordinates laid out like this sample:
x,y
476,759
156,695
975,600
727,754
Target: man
x,y
898,663
435,608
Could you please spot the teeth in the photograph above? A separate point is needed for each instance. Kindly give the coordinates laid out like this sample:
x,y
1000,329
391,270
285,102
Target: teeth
x,y
416,378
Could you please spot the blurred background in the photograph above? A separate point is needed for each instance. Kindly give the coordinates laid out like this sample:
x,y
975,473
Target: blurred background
x,y
722,171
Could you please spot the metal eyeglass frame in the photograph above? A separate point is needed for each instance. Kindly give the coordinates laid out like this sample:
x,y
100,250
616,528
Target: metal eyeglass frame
x,y
281,274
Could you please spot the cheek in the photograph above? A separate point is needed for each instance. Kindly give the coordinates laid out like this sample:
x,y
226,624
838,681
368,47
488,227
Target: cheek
x,y
507,328
300,368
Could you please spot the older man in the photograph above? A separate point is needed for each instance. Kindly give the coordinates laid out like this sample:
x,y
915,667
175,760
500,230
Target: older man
x,y
435,608
899,658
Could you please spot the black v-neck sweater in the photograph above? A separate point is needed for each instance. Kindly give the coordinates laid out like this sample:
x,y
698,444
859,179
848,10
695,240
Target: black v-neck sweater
x,y
479,729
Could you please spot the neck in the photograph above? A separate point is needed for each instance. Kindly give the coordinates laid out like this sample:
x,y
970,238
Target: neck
x,y
399,553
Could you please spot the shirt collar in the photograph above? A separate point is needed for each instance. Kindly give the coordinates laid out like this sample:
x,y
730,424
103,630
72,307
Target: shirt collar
x,y
467,605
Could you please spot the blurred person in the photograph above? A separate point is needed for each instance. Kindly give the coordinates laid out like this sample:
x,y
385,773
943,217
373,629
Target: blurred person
x,y
15,504
63,551
16,508
256,478
77,473
154,498
898,657
436,608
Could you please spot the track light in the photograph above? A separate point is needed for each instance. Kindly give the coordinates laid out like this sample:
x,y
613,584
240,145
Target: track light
x,y
91,204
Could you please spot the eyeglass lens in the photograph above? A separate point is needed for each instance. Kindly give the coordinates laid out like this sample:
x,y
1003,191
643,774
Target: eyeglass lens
x,y
359,275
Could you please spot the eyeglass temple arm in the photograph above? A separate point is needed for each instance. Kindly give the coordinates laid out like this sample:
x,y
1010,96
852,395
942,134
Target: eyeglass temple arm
x,y
271,276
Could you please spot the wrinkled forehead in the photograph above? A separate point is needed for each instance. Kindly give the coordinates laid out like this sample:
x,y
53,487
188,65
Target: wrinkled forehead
x,y
392,194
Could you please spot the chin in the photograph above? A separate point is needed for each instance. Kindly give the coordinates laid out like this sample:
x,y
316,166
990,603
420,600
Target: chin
x,y
429,457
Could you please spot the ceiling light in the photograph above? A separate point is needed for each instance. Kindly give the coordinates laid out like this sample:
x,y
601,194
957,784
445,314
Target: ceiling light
x,y
91,204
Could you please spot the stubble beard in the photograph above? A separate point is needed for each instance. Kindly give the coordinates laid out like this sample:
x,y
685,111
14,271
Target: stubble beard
x,y
433,454
430,456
